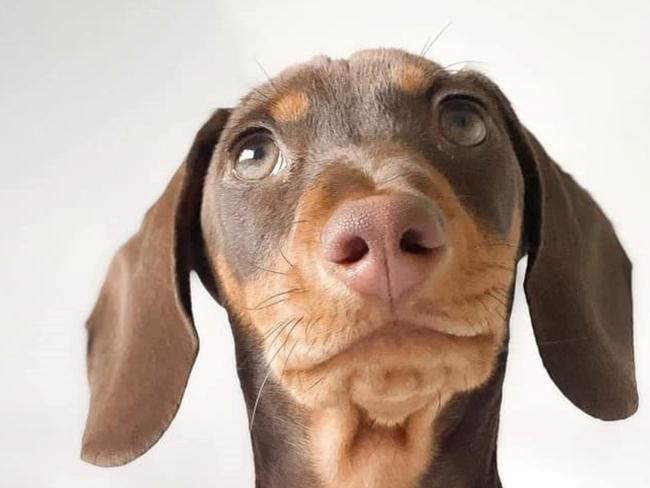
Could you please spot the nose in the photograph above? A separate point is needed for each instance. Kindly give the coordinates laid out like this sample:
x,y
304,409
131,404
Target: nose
x,y
384,245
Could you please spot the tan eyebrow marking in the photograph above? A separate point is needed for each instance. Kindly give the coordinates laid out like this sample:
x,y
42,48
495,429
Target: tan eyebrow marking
x,y
411,78
290,106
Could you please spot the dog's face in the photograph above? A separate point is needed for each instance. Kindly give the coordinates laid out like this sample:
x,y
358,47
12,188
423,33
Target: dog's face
x,y
361,221
363,218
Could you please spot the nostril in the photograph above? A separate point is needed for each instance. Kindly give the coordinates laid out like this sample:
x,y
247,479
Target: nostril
x,y
412,242
351,250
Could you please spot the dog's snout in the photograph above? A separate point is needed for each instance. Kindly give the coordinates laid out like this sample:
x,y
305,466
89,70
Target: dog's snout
x,y
384,245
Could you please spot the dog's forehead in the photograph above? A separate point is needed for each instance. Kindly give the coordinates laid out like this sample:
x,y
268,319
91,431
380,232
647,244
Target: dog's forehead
x,y
361,95
366,73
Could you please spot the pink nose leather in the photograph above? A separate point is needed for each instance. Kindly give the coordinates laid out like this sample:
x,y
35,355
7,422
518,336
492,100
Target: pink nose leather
x,y
384,245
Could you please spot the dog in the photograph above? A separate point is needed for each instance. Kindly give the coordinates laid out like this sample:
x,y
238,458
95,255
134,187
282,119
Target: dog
x,y
361,221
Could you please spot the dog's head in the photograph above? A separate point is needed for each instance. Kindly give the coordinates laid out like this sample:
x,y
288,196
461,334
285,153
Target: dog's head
x,y
361,221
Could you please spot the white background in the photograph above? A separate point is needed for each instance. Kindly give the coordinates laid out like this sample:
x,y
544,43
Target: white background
x,y
98,104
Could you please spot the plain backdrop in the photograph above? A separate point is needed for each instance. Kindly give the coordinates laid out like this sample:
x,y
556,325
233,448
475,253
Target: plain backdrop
x,y
99,102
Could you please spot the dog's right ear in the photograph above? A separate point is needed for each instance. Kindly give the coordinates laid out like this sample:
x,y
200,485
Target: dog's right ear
x,y
578,282
141,338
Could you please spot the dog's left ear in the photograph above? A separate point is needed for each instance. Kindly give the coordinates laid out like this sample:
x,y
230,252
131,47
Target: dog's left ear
x,y
578,283
141,338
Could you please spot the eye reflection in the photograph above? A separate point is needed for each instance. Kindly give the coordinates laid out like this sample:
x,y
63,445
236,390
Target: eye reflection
x,y
258,157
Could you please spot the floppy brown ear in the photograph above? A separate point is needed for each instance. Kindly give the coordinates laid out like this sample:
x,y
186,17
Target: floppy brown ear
x,y
578,284
141,338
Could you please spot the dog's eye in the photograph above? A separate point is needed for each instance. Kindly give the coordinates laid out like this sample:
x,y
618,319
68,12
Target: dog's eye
x,y
257,157
462,123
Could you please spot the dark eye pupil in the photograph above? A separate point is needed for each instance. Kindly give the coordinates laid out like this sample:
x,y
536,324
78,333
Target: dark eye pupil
x,y
459,120
254,153
259,152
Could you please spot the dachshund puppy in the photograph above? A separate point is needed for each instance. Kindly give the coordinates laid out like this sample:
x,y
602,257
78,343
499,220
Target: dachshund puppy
x,y
361,221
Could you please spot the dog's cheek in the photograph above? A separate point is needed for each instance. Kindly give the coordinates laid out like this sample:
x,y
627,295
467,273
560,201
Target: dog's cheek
x,y
256,299
471,289
231,293
486,268
478,271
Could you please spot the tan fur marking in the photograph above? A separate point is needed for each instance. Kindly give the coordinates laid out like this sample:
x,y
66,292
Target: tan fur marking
x,y
289,107
350,453
411,78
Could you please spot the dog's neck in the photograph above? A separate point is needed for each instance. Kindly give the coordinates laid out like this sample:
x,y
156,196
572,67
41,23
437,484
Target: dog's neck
x,y
460,450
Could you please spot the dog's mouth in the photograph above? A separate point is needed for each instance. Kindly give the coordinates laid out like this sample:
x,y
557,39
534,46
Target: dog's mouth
x,y
394,341
392,370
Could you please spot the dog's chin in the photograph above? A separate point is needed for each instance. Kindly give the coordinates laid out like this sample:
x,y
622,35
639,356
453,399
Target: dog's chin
x,y
388,396
394,371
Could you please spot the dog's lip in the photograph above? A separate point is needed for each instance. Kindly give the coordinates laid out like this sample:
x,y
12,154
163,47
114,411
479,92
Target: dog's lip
x,y
405,329
442,325
398,329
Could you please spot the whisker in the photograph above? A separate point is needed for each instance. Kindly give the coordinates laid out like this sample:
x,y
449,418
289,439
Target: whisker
x,y
263,304
268,270
268,374
429,45
267,76
286,292
279,334
426,43
245,361
257,400
472,61
277,330
285,258
291,329
277,326
284,366
310,324
317,382
268,305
